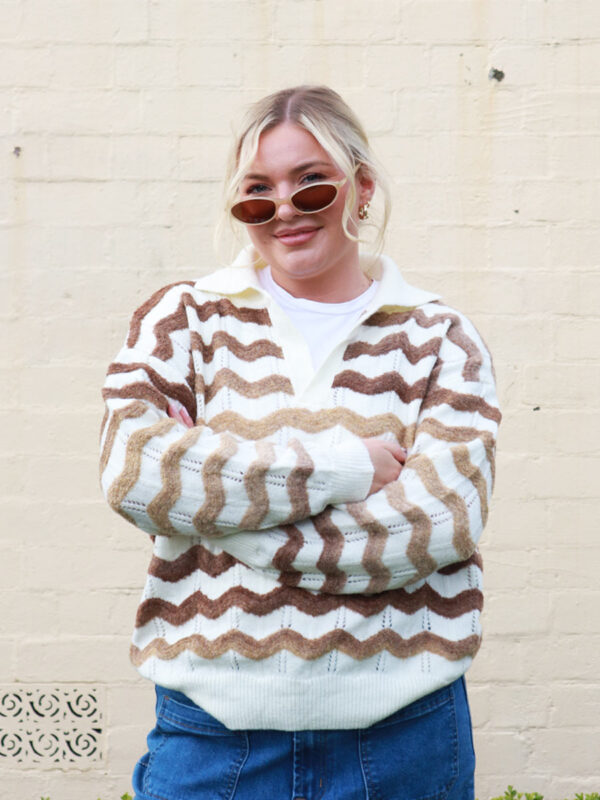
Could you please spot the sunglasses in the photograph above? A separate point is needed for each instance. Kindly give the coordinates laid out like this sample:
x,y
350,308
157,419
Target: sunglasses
x,y
308,200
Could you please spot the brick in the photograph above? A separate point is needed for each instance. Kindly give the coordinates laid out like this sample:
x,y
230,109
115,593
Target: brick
x,y
82,65
62,203
462,64
145,65
215,65
131,705
409,64
97,613
576,64
506,748
562,111
78,158
78,111
523,478
577,340
564,384
209,22
24,66
568,568
312,20
190,110
513,247
513,526
32,613
92,566
575,246
201,158
143,158
572,657
112,20
568,750
575,156
125,745
74,659
575,706
528,612
573,612
61,247
530,337
520,708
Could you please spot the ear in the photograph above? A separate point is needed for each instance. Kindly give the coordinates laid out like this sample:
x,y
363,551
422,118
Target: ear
x,y
365,186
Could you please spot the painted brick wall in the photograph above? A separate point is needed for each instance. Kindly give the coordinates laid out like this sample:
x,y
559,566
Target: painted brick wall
x,y
114,124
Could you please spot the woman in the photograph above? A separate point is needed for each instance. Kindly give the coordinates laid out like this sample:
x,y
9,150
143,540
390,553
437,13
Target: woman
x,y
309,441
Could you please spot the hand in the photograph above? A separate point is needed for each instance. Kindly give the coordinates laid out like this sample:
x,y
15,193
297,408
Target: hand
x,y
388,459
179,412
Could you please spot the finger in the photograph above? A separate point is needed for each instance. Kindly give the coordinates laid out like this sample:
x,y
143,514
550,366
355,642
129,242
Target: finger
x,y
186,419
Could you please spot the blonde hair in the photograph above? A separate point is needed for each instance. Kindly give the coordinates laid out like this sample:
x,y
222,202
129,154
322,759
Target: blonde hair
x,y
323,113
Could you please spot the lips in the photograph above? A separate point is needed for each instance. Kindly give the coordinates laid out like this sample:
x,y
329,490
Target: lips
x,y
295,236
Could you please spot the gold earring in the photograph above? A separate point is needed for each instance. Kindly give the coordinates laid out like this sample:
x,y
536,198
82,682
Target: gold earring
x,y
363,211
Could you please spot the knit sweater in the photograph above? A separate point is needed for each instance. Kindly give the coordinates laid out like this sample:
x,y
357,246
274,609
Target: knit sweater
x,y
279,595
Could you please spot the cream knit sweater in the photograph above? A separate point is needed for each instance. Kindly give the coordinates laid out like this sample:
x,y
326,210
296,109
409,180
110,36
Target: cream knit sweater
x,y
279,595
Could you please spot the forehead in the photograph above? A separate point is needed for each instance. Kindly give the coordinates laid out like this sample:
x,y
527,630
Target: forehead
x,y
285,147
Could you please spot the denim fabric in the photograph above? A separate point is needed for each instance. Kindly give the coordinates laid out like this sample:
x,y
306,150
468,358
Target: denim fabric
x,y
422,752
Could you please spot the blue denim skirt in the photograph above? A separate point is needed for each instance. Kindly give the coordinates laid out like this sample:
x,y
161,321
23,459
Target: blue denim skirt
x,y
422,752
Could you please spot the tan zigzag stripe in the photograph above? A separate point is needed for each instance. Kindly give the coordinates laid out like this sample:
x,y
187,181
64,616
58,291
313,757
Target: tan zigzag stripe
x,y
427,472
377,538
314,605
245,352
252,389
138,317
286,555
130,411
388,382
197,557
313,422
463,463
158,509
179,391
138,391
256,487
296,483
455,333
417,548
396,341
333,544
309,649
213,486
458,433
133,460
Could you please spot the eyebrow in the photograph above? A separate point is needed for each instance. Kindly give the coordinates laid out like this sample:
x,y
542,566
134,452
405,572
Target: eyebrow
x,y
255,176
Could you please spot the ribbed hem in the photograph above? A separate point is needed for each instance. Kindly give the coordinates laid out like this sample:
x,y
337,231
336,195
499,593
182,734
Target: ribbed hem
x,y
276,702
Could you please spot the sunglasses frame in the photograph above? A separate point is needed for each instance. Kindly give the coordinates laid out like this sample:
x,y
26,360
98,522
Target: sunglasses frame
x,y
278,201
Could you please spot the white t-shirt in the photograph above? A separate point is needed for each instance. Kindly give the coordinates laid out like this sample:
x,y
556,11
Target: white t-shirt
x,y
318,322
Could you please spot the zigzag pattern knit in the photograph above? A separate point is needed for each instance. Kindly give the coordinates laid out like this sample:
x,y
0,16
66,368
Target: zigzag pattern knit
x,y
279,595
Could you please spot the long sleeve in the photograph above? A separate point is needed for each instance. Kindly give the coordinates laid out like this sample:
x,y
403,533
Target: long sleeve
x,y
431,517
170,480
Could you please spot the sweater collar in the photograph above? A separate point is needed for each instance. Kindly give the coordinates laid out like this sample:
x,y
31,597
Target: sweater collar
x,y
393,290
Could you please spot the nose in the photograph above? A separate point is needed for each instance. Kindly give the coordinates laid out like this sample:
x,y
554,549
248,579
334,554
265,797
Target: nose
x,y
286,211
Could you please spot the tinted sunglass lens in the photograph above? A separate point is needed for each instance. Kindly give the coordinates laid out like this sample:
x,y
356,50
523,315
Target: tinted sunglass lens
x,y
315,198
253,212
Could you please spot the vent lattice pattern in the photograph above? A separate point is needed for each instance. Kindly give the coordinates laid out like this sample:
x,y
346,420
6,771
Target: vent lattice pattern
x,y
50,725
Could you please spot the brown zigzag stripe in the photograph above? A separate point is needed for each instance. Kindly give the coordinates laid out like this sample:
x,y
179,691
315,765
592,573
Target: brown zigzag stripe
x,y
197,557
226,378
475,560
286,554
130,411
447,433
133,460
437,395
296,483
225,308
396,341
455,333
313,422
314,605
158,509
139,391
213,486
177,321
309,649
138,317
426,471
256,487
178,391
246,352
333,544
377,538
388,382
417,548
463,463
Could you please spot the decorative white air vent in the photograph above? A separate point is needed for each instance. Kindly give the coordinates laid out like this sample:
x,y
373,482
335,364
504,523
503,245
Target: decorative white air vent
x,y
50,725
